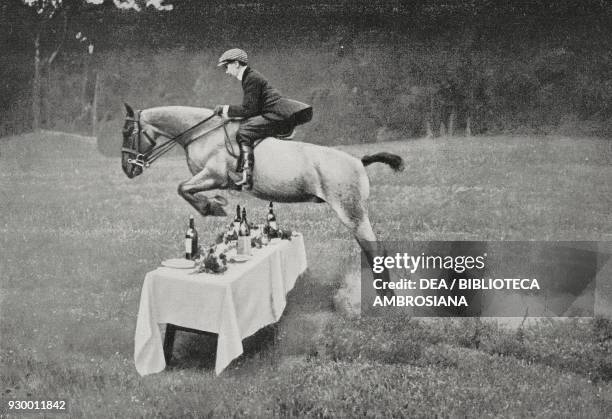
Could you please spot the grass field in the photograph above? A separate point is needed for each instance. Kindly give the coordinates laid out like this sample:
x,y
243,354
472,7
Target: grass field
x,y
77,238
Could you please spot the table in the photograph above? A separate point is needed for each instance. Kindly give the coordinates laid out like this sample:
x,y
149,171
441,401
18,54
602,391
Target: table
x,y
234,305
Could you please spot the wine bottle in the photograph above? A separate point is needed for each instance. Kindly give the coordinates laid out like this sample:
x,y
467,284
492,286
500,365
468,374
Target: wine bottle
x,y
237,220
191,240
244,230
271,220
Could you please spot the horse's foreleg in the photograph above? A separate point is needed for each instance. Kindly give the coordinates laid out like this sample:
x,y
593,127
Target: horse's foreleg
x,y
202,182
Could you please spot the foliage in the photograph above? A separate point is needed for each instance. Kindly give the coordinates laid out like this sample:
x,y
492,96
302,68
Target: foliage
x,y
354,97
48,23
407,69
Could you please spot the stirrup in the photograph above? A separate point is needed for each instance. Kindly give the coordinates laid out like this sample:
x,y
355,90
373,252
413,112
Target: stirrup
x,y
244,179
247,180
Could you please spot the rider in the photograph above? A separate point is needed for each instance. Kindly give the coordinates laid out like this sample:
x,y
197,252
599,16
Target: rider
x,y
265,111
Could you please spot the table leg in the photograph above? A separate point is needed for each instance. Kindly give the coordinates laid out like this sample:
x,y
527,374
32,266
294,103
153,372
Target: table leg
x,y
169,342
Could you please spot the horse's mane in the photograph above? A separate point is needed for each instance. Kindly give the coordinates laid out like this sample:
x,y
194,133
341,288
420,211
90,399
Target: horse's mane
x,y
174,119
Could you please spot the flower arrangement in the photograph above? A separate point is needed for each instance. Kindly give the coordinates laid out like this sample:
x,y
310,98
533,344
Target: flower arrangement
x,y
214,260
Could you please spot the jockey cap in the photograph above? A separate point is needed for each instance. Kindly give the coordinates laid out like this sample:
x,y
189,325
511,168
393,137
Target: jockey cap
x,y
234,54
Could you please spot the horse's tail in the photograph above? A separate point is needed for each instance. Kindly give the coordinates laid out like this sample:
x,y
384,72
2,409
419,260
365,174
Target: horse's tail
x,y
393,160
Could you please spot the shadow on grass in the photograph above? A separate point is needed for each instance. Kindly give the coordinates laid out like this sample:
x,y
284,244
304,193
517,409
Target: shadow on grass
x,y
311,294
198,351
192,350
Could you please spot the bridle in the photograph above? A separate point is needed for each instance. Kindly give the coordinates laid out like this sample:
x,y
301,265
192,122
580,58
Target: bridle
x,y
146,159
142,159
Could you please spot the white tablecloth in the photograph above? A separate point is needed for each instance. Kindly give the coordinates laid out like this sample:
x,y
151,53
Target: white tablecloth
x,y
234,304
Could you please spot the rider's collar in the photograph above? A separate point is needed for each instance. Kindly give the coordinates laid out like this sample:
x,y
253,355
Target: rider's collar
x,y
241,73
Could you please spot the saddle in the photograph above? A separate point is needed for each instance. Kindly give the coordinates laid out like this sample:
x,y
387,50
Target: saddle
x,y
287,135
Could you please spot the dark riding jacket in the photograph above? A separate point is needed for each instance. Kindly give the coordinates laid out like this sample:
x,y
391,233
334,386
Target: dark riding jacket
x,y
260,98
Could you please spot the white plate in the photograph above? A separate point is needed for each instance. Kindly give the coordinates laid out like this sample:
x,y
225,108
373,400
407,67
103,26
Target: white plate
x,y
179,263
241,258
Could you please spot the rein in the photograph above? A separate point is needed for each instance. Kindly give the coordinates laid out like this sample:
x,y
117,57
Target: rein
x,y
146,159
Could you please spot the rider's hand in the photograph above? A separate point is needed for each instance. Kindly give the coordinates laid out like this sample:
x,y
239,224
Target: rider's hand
x,y
218,110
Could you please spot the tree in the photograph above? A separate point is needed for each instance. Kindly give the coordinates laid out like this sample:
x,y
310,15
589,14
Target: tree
x,y
49,22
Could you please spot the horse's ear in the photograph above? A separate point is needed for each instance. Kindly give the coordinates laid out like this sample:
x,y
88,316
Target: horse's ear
x,y
129,111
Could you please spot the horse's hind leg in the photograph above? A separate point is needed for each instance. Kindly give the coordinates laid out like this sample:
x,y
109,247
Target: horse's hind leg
x,y
203,181
354,216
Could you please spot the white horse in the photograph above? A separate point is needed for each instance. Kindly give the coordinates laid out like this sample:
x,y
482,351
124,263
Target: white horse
x,y
284,171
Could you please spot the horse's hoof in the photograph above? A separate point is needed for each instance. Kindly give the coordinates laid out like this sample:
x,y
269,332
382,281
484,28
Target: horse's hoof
x,y
219,200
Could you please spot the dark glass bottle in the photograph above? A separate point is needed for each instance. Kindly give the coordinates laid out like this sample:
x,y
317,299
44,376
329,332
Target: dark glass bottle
x,y
237,220
271,220
191,240
244,230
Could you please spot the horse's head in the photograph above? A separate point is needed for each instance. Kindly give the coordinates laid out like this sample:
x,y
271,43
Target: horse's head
x,y
136,143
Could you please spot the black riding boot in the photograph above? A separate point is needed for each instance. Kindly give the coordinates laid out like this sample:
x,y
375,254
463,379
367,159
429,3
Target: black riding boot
x,y
247,160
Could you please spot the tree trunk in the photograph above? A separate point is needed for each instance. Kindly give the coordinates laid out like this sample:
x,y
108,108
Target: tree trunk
x,y
428,130
84,91
36,86
442,129
45,93
451,122
468,119
430,118
94,105
468,128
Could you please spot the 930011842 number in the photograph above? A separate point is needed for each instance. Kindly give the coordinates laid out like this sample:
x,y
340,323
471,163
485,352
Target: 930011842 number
x,y
37,405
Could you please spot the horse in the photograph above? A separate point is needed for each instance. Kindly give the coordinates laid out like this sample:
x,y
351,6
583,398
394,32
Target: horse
x,y
284,171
